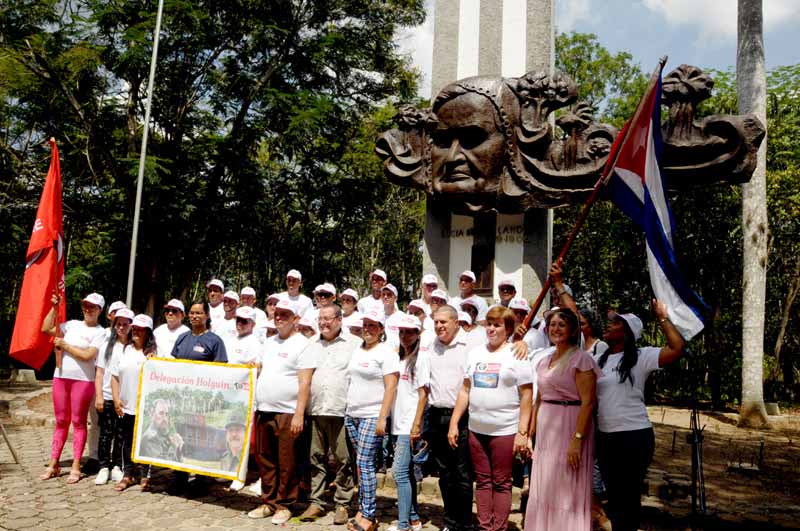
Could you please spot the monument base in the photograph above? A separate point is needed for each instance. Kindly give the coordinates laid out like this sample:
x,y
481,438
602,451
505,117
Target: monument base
x,y
493,246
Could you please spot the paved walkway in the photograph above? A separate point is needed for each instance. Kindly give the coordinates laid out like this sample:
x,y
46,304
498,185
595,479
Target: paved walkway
x,y
28,503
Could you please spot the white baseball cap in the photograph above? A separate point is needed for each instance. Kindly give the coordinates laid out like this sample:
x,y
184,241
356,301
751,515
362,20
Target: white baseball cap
x,y
507,282
307,321
326,288
96,299
409,321
632,320
440,294
430,279
416,303
274,296
127,313
143,321
271,324
469,274
391,288
471,301
216,282
116,305
285,304
374,314
519,304
352,320
350,292
379,272
175,303
231,295
464,316
246,312
294,273
247,290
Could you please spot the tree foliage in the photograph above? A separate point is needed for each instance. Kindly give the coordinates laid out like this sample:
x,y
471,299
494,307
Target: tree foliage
x,y
261,136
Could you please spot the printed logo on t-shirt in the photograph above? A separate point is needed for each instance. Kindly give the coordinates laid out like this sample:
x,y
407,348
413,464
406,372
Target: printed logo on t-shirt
x,y
283,354
487,375
404,376
199,348
364,364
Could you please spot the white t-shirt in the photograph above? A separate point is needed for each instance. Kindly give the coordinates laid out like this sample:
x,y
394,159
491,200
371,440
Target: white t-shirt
x,y
535,356
367,369
301,303
216,312
620,406
116,352
365,303
126,367
598,349
494,396
77,334
226,330
392,329
165,339
407,398
536,339
278,385
242,350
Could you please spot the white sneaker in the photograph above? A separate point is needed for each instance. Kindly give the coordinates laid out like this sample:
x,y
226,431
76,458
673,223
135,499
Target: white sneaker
x,y
102,477
282,516
236,485
255,487
116,474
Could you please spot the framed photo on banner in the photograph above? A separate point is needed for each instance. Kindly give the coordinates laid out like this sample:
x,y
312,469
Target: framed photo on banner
x,y
194,416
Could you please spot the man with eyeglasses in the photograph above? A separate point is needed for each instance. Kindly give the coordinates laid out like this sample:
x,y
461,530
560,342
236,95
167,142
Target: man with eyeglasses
x,y
247,297
324,296
331,350
507,290
166,334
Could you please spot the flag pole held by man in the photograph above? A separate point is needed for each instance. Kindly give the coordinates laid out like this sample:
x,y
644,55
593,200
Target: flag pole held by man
x,y
44,274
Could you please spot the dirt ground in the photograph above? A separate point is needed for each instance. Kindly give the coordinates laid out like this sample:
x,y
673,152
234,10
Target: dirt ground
x,y
752,477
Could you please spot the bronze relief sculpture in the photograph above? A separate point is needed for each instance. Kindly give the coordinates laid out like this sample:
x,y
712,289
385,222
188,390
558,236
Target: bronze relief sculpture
x,y
487,142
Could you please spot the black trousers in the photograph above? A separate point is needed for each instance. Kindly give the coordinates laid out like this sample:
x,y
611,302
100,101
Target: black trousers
x,y
455,468
108,453
624,457
125,426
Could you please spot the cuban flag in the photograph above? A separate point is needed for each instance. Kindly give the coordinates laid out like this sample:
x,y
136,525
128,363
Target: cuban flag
x,y
636,187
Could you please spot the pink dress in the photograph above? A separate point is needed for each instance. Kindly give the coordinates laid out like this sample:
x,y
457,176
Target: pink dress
x,y
560,498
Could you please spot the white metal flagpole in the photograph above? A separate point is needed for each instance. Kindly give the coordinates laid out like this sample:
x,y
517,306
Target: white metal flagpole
x,y
143,154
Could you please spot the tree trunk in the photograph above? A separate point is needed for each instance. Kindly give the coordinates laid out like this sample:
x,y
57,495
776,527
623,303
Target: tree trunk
x,y
752,93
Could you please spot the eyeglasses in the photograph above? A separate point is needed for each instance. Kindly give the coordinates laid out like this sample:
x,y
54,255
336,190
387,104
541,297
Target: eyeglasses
x,y
89,307
507,289
324,295
170,310
327,319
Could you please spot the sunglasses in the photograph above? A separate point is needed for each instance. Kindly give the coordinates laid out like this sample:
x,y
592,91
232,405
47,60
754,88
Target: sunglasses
x,y
170,310
507,289
323,295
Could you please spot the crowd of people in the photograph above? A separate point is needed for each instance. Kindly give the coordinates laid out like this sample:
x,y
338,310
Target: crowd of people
x,y
340,384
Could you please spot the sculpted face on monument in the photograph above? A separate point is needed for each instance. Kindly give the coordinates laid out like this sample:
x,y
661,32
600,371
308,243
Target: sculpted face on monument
x,y
487,143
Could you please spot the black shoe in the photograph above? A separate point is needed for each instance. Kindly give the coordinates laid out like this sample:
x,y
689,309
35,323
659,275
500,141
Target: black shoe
x,y
91,467
178,487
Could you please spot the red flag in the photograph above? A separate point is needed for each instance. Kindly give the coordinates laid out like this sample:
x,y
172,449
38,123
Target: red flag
x,y
44,274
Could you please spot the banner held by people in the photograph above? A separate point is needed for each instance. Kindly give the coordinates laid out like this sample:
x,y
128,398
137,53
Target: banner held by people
x,y
44,274
194,416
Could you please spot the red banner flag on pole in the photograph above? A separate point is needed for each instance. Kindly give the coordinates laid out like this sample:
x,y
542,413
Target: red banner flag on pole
x,y
44,274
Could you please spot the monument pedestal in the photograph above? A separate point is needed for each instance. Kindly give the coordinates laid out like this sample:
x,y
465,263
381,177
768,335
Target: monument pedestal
x,y
493,246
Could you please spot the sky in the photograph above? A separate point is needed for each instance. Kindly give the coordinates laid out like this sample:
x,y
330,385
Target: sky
x,y
697,32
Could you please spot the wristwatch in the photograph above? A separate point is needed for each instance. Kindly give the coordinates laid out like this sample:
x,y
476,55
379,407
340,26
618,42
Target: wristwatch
x,y
578,435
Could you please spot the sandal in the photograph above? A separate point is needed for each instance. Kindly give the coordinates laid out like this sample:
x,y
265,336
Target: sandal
x,y
124,483
73,477
145,483
50,473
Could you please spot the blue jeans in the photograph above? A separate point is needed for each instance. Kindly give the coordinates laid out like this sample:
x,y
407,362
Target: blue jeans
x,y
406,483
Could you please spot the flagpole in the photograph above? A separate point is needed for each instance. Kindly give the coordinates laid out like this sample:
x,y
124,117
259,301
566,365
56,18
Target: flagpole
x,y
601,182
143,155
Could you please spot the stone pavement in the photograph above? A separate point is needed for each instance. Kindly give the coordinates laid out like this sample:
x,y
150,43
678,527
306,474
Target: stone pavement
x,y
28,503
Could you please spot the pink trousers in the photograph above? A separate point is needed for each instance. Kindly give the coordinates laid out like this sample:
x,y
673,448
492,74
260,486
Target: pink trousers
x,y
71,402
